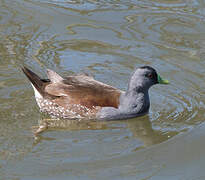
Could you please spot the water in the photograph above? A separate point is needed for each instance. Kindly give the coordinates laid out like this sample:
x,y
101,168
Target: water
x,y
108,40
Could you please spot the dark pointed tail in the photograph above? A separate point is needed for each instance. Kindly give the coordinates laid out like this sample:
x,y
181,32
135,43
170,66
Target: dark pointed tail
x,y
35,80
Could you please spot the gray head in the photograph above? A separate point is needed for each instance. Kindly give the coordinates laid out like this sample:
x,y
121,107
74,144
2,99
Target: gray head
x,y
145,77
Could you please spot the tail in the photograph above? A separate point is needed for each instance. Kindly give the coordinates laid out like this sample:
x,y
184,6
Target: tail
x,y
35,80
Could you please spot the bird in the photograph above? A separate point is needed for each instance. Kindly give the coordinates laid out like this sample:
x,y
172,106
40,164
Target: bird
x,y
83,97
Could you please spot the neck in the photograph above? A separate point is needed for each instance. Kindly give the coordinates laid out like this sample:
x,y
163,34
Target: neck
x,y
135,101
136,90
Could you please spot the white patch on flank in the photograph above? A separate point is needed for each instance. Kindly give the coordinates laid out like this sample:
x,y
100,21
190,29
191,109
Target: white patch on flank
x,y
37,94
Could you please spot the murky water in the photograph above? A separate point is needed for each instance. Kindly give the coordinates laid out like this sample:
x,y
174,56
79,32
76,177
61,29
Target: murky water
x,y
107,39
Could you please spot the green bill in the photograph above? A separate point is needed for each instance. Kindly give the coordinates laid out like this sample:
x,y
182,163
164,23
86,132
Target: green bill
x,y
162,81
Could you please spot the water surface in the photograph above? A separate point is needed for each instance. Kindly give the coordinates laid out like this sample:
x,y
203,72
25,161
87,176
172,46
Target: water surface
x,y
108,40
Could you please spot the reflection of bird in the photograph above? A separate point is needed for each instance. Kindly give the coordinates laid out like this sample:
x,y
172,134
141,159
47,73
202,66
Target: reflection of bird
x,y
141,128
83,97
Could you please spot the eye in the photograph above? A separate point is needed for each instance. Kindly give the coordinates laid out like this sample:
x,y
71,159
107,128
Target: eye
x,y
149,76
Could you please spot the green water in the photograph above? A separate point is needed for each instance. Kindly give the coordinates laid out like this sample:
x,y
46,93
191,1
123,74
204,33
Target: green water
x,y
108,40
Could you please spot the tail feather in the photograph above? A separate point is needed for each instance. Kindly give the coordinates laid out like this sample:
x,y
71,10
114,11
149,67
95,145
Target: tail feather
x,y
35,80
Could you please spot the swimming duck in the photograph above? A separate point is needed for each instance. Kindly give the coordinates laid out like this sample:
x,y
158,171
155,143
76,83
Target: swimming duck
x,y
81,96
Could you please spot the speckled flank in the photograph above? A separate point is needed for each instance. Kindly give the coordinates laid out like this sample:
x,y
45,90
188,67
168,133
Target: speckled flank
x,y
74,111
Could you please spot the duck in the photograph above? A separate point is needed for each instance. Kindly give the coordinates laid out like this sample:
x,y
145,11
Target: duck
x,y
83,97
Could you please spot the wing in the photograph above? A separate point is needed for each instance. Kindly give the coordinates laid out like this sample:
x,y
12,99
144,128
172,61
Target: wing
x,y
80,90
83,90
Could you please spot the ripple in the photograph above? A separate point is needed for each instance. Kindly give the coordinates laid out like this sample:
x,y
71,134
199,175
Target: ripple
x,y
176,111
108,39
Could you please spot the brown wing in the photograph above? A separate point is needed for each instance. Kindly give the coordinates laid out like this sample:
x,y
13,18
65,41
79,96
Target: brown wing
x,y
83,90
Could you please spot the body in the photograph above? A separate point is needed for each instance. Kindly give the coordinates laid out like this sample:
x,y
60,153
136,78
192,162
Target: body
x,y
82,97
